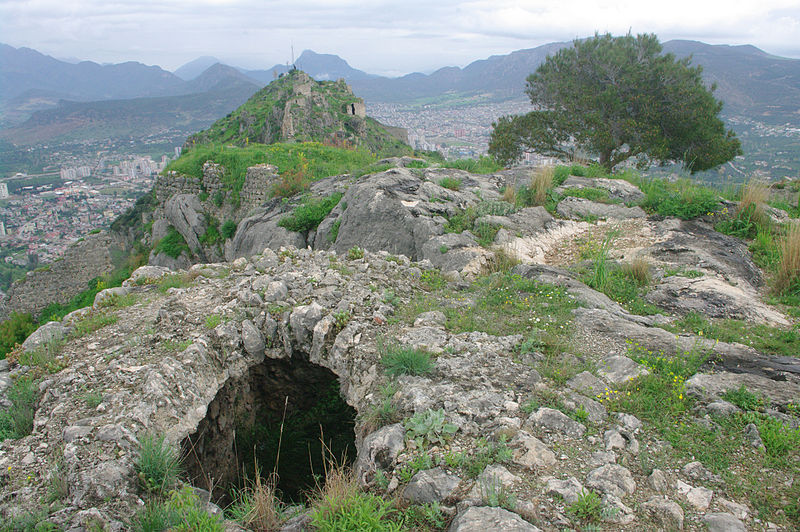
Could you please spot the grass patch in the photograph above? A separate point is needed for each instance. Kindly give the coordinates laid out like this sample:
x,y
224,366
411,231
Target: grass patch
x,y
92,323
173,280
157,465
787,275
183,510
763,338
452,183
302,161
588,507
681,199
599,195
308,215
401,360
482,165
172,245
17,421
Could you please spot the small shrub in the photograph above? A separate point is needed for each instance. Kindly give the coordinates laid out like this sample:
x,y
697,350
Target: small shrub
x,y
182,512
257,506
172,245
482,165
333,234
599,275
425,517
355,253
174,280
496,495
17,421
429,426
14,331
417,163
744,399
639,270
92,323
432,280
212,235
541,182
340,505
485,232
399,360
588,507
682,199
452,183
157,465
486,453
291,182
787,276
308,215
213,320
228,229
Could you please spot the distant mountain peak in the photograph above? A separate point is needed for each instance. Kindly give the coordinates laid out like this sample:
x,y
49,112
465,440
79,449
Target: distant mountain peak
x,y
194,68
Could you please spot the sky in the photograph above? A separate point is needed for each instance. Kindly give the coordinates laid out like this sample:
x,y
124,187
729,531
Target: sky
x,y
380,37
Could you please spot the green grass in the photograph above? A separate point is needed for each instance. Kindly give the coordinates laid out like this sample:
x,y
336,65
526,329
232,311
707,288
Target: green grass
x,y
311,211
228,229
172,245
173,280
14,331
452,183
312,159
401,360
483,165
92,323
182,511
682,199
587,508
17,421
157,465
599,195
762,338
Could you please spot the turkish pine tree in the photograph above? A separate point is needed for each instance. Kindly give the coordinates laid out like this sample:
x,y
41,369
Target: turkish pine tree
x,y
617,98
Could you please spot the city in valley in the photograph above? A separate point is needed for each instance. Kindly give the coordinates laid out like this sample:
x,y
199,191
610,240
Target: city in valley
x,y
41,214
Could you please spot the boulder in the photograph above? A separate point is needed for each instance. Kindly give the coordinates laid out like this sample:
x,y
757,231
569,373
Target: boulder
x,y
52,331
484,518
556,421
431,485
379,450
723,522
612,479
665,512
580,208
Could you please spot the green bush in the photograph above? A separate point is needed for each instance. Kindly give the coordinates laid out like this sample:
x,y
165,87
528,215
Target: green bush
x,y
308,215
333,234
359,511
14,331
212,234
17,421
483,165
355,253
183,511
157,465
588,507
682,199
452,183
172,245
400,360
228,229
430,426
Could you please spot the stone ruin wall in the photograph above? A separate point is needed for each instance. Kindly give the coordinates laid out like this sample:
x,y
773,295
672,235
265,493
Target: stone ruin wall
x,y
255,191
61,280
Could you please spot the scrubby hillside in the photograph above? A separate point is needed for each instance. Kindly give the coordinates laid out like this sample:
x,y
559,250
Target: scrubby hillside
x,y
294,107
492,351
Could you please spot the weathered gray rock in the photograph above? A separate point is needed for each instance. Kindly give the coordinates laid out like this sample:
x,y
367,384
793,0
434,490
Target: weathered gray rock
x,y
697,471
276,291
752,436
431,485
658,481
107,297
533,453
612,479
379,450
453,251
555,421
580,208
665,512
618,369
596,411
711,386
618,189
253,340
484,518
699,497
261,230
146,274
568,489
185,214
588,383
302,321
722,408
723,522
49,332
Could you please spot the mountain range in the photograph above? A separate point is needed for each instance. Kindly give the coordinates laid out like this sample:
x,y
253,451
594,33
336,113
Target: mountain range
x,y
38,100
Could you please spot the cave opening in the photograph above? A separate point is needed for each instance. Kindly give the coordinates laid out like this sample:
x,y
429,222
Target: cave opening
x,y
242,428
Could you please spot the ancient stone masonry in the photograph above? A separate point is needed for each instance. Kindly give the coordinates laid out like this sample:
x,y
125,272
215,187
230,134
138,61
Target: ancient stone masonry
x,y
257,183
59,281
166,186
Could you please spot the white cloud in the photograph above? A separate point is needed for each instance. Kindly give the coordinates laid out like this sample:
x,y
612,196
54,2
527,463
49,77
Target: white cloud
x,y
377,36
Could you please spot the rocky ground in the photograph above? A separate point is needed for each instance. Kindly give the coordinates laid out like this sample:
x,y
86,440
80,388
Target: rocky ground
x,y
568,409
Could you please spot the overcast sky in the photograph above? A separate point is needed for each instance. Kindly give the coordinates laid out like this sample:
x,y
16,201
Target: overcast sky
x,y
390,38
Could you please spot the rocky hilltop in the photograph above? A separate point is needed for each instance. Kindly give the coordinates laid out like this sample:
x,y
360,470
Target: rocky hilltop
x,y
485,381
295,107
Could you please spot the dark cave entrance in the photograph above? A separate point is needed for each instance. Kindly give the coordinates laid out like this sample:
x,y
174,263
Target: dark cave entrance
x,y
243,425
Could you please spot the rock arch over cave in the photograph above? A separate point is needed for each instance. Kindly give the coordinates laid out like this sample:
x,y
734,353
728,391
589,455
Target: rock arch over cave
x,y
243,426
